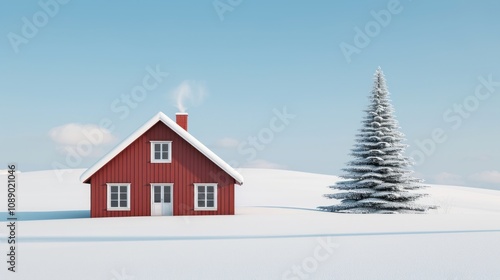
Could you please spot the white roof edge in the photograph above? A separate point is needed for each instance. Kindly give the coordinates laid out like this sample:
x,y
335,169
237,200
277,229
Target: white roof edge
x,y
177,129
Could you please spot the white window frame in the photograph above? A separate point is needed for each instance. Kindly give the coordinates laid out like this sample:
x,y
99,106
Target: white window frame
x,y
169,159
162,184
109,208
196,208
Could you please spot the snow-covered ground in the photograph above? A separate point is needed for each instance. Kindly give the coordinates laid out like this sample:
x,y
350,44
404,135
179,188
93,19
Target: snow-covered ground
x,y
276,234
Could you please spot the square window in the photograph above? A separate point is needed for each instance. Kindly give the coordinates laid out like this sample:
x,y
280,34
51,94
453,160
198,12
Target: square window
x,y
118,197
161,151
205,196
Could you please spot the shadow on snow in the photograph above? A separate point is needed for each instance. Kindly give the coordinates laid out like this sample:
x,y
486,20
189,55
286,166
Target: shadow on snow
x,y
47,215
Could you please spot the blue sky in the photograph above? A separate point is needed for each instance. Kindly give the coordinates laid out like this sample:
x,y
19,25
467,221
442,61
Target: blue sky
x,y
68,66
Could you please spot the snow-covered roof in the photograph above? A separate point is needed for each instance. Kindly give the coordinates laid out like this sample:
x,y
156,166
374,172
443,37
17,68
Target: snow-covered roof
x,y
177,129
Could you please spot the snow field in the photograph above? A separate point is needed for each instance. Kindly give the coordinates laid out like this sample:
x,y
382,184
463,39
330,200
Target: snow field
x,y
276,234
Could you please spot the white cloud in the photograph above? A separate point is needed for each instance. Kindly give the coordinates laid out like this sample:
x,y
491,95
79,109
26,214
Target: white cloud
x,y
445,178
260,163
491,176
74,136
189,93
227,143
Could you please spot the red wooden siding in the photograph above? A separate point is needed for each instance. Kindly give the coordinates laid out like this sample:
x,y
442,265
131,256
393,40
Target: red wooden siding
x,y
133,165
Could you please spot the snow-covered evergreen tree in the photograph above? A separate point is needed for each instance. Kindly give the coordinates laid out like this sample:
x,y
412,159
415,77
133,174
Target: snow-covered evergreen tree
x,y
378,179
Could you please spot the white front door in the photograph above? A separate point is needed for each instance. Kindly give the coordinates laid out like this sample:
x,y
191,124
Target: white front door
x,y
161,196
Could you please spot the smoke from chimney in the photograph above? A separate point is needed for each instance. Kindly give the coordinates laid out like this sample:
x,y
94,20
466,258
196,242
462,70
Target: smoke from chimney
x,y
189,93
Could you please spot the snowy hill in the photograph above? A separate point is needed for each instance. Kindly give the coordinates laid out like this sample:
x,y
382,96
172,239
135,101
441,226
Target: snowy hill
x,y
270,187
275,235
263,187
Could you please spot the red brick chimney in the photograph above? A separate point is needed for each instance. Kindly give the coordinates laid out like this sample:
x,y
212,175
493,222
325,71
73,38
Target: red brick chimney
x,y
182,120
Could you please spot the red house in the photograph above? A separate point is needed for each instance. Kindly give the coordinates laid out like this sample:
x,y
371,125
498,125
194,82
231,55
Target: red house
x,y
161,169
